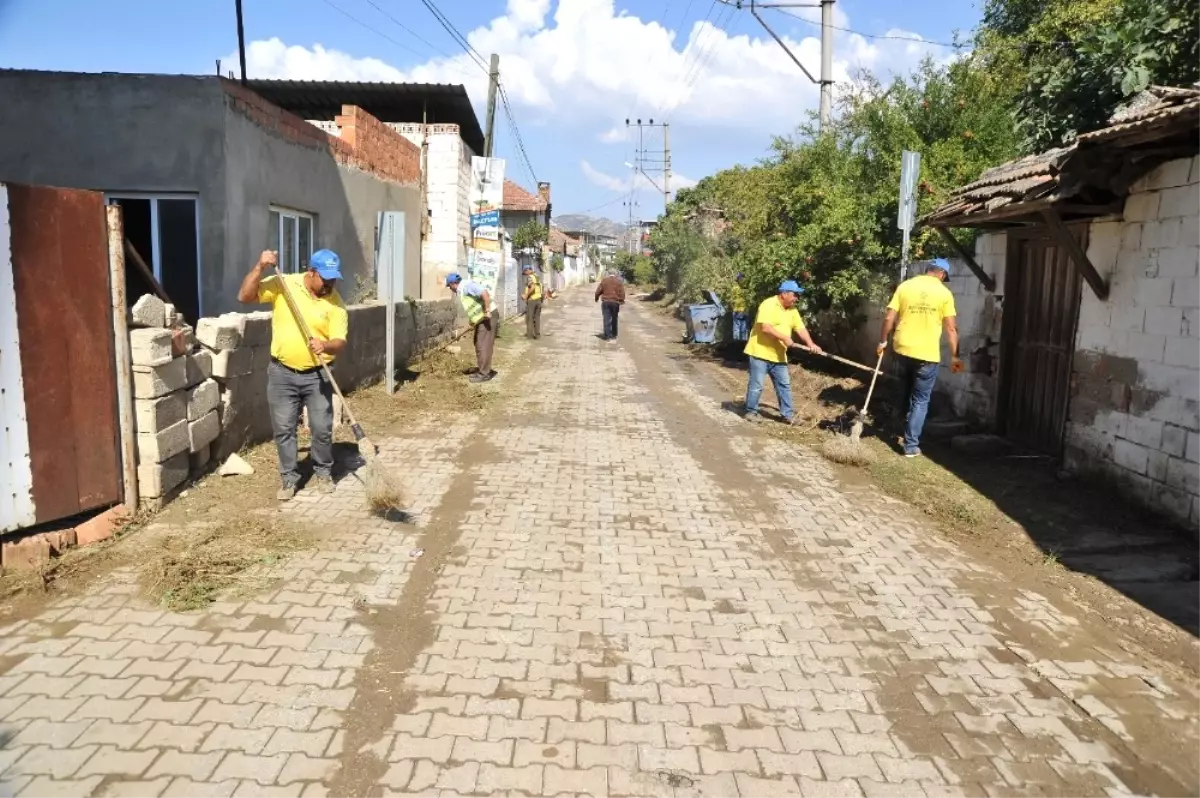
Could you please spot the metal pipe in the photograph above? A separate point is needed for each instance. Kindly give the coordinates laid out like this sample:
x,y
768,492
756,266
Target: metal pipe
x,y
122,357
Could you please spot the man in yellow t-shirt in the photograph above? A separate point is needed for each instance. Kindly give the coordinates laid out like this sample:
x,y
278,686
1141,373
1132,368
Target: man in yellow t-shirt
x,y
533,303
920,311
770,339
295,378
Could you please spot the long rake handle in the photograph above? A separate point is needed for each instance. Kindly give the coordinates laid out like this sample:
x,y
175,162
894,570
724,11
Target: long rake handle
x,y
840,359
307,333
874,377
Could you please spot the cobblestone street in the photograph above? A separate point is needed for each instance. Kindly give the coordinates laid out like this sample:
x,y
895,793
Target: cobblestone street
x,y
625,590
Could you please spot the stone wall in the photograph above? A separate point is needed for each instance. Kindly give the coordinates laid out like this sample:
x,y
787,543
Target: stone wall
x,y
1135,408
201,395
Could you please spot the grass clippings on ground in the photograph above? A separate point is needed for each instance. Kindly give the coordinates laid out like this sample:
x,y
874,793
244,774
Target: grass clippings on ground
x,y
845,450
188,570
382,486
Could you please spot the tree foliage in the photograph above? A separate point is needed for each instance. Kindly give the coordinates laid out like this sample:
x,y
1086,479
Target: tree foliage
x,y
530,236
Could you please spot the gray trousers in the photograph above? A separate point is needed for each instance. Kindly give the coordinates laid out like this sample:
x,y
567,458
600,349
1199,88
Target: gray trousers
x,y
287,392
485,341
533,318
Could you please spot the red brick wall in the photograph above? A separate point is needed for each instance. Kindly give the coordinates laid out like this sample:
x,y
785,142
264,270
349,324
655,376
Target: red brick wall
x,y
365,143
380,149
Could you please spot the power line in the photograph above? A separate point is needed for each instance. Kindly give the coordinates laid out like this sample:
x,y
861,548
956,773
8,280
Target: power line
x,y
516,131
455,34
373,29
700,62
407,29
620,198
891,36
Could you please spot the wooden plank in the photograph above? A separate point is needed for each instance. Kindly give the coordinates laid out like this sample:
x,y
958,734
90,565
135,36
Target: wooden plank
x,y
1078,256
988,282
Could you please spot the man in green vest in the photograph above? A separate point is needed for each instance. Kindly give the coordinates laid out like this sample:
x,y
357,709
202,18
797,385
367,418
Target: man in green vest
x,y
533,303
477,302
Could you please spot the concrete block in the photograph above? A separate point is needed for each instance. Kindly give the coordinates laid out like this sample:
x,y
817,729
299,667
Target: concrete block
x,y
1183,475
1186,293
229,363
1191,323
26,553
160,446
170,314
1165,321
1128,317
101,526
256,329
1131,456
1156,466
1131,237
158,479
198,461
1145,347
1144,431
1170,174
152,415
1181,261
150,382
1162,234
1175,503
1152,292
1142,207
148,311
1189,233
1174,440
1094,337
1182,352
150,346
1192,452
1194,172
199,367
1179,201
203,431
218,334
202,399
260,357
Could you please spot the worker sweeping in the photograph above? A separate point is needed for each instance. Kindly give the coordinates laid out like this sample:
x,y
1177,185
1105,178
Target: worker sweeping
x,y
533,304
294,377
776,323
477,302
920,311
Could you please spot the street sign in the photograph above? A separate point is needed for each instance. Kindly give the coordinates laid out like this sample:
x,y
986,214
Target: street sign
x,y
485,219
910,171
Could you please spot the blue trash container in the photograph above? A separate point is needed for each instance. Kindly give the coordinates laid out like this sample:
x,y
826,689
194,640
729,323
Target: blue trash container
x,y
702,319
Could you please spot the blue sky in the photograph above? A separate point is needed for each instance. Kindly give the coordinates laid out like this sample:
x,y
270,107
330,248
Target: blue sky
x,y
573,69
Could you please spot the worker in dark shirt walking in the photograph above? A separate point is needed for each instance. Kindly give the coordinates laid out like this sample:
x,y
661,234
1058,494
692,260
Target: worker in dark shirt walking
x,y
611,296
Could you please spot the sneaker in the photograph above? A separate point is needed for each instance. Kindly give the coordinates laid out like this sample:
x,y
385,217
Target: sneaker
x,y
913,453
753,417
322,484
479,378
286,493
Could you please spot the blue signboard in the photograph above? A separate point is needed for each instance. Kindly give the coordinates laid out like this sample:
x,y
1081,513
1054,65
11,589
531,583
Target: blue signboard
x,y
485,219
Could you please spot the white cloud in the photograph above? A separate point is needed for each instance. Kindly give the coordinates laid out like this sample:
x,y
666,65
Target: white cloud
x,y
623,183
583,60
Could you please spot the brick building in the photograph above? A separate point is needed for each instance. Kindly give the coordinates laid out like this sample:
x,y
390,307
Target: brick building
x,y
209,173
1079,310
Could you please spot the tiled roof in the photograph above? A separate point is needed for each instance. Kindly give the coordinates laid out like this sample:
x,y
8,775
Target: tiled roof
x,y
558,241
1154,116
518,199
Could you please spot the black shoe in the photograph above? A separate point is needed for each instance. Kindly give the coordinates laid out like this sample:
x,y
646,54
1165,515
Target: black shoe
x,y
478,378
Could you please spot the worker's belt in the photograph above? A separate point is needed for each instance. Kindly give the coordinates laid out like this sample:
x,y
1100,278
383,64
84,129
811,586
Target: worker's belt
x,y
281,364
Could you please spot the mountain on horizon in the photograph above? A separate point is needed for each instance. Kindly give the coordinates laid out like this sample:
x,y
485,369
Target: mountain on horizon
x,y
596,225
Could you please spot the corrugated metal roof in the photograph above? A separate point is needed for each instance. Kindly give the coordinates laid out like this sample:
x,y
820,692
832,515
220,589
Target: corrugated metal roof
x,y
437,103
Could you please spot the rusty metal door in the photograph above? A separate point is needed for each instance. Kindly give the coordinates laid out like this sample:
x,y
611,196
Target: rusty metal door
x,y
60,274
1041,309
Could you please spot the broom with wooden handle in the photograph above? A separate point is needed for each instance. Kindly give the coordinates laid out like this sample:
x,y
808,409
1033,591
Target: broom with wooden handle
x,y
365,447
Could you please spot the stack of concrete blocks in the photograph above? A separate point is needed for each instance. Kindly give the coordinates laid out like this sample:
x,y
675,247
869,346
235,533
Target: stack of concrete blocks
x,y
175,404
240,347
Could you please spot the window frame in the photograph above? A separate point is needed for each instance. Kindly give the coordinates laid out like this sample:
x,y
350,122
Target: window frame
x,y
282,213
156,233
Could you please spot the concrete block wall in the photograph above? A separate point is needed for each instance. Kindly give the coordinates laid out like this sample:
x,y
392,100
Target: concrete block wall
x,y
1135,410
194,409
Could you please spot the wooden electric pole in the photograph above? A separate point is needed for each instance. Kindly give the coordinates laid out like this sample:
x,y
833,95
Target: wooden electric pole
x,y
237,7
493,83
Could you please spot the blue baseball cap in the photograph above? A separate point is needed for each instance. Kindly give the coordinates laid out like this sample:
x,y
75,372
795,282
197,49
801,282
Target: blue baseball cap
x,y
327,264
790,285
452,278
739,276
941,263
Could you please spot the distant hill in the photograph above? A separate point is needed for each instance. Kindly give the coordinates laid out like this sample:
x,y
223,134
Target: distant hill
x,y
597,225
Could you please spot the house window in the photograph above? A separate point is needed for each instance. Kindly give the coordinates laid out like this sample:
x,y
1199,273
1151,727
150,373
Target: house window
x,y
164,230
292,235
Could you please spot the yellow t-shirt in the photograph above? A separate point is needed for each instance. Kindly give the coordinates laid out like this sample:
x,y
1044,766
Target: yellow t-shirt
x,y
326,319
921,303
763,346
534,286
737,299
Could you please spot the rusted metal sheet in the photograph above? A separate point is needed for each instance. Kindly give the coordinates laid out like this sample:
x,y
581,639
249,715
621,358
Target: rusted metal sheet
x,y
1041,311
60,282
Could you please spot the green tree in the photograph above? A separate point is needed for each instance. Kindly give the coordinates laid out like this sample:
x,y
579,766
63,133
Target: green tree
x,y
530,236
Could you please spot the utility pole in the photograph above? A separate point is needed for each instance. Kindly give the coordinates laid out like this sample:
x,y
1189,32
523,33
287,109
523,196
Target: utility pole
x,y
237,7
493,81
825,82
655,160
826,108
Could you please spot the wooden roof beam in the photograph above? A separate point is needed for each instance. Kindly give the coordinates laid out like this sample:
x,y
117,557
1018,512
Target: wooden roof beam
x,y
1055,223
988,282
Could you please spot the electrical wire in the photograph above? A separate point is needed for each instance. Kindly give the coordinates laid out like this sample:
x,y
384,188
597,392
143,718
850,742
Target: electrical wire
x,y
373,29
407,29
516,132
455,34
890,36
